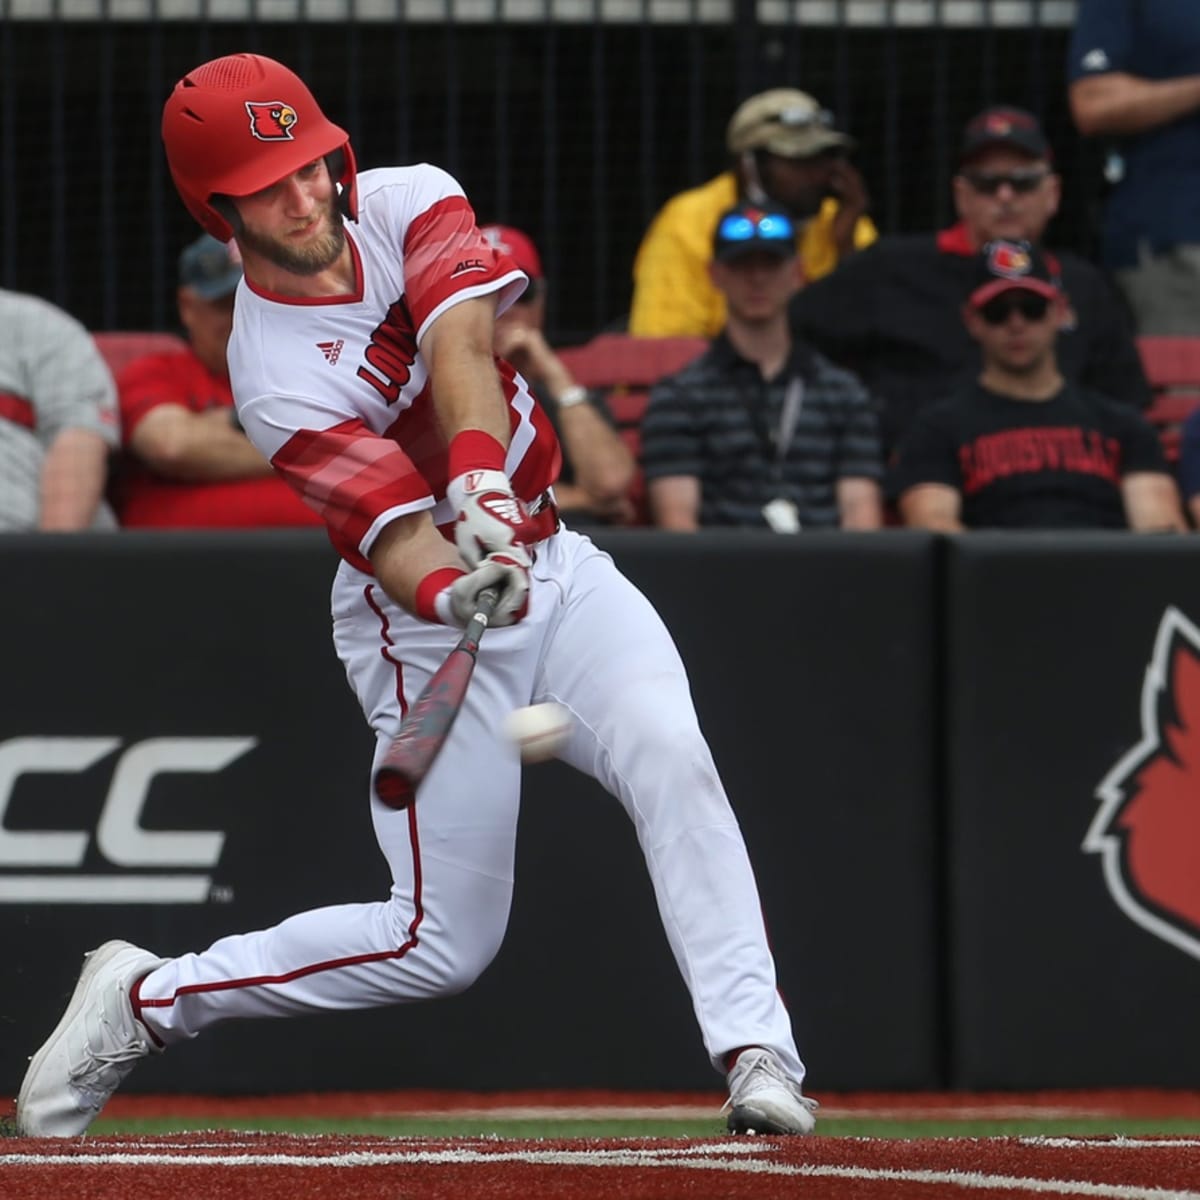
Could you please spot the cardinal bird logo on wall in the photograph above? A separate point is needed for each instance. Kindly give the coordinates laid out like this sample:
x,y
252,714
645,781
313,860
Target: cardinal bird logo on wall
x,y
271,121
1148,827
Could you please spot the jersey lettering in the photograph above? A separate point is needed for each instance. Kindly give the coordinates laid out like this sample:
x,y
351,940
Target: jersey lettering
x,y
392,352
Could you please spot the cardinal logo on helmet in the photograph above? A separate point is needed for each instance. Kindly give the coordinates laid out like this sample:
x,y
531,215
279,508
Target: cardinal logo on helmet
x,y
272,120
1147,829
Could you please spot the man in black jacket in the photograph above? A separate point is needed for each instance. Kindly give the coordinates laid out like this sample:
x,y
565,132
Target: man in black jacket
x,y
892,313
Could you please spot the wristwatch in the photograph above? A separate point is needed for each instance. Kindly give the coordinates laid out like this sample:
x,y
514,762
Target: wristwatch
x,y
575,394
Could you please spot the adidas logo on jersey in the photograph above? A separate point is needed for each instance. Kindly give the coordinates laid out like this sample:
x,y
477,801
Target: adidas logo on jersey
x,y
331,350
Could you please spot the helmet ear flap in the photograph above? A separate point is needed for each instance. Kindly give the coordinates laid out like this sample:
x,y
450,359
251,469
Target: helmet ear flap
x,y
226,208
340,164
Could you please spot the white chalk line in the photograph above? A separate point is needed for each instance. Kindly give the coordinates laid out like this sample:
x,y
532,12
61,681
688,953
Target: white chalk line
x,y
691,1158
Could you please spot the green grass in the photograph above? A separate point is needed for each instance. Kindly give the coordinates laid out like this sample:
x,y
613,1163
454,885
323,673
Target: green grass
x,y
841,1127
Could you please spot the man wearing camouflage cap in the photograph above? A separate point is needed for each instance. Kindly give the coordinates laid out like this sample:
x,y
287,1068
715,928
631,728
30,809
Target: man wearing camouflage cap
x,y
785,152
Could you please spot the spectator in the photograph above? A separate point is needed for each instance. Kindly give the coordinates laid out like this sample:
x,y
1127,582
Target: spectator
x,y
1134,71
597,469
760,430
187,463
1022,447
892,314
1189,465
58,420
784,153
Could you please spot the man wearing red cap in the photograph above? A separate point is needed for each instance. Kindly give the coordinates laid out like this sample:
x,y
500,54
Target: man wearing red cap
x,y
1023,448
891,314
597,469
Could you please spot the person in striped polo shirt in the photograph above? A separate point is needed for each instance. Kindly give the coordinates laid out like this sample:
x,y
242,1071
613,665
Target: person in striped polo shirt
x,y
761,430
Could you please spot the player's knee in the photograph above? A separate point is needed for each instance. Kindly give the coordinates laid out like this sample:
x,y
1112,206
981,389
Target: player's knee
x,y
450,955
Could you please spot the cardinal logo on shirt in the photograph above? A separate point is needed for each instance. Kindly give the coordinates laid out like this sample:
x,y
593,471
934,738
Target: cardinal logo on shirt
x,y
1147,830
271,120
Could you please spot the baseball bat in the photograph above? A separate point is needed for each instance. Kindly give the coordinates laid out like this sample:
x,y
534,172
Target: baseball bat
x,y
428,722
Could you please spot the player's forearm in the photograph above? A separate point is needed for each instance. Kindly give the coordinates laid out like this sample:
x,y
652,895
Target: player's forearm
x,y
1117,103
408,551
462,371
73,476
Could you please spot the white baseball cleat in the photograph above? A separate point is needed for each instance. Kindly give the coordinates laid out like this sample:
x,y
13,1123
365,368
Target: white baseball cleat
x,y
763,1098
95,1045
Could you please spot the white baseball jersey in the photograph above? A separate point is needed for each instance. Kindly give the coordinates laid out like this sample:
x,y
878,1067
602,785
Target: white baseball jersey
x,y
335,393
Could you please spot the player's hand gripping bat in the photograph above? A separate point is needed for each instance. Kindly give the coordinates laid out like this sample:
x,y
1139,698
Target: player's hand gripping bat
x,y
425,729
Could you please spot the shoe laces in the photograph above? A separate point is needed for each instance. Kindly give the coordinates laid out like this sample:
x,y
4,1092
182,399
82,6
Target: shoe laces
x,y
756,1069
106,1057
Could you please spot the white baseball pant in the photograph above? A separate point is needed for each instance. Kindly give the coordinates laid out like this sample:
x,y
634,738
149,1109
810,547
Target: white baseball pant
x,y
593,643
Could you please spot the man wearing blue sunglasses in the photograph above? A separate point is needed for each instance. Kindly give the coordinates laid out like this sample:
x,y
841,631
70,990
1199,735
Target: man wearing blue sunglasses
x,y
760,431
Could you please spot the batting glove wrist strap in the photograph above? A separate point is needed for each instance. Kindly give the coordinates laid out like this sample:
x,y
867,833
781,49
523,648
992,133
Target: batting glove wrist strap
x,y
433,595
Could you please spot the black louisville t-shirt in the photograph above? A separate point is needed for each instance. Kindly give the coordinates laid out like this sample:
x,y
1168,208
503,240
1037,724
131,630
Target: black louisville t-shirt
x,y
1019,464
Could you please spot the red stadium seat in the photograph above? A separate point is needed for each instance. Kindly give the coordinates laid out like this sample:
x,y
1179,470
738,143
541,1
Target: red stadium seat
x,y
626,368
1173,367
120,346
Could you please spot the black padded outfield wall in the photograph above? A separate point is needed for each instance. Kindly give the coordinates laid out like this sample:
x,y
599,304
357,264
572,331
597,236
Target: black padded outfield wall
x,y
180,758
1073,752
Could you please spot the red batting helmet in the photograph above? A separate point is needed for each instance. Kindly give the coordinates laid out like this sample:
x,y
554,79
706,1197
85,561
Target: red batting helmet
x,y
238,124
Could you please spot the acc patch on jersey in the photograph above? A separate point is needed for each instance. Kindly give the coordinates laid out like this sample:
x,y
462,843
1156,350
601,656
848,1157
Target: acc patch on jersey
x,y
1148,826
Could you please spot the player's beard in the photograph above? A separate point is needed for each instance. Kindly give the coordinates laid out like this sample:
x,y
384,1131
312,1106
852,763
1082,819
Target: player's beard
x,y
310,259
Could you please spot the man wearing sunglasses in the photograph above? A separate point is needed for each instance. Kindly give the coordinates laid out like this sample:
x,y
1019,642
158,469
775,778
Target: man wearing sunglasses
x,y
784,153
760,431
1023,448
892,313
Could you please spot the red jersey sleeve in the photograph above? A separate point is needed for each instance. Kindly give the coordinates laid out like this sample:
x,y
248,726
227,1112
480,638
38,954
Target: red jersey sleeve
x,y
445,255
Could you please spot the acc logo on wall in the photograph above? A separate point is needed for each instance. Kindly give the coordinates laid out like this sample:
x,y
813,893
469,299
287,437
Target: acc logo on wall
x,y
150,866
1148,827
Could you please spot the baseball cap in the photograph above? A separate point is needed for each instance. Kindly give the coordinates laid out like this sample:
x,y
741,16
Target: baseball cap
x,y
210,268
517,245
745,228
1007,128
786,122
1012,266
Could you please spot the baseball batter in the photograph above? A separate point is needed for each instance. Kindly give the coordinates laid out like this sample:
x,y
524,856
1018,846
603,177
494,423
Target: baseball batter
x,y
362,366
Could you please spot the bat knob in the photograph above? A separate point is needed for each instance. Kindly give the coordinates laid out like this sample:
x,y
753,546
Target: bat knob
x,y
393,789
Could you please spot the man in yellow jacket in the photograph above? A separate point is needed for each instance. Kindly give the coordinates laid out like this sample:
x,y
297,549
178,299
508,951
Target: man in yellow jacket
x,y
785,152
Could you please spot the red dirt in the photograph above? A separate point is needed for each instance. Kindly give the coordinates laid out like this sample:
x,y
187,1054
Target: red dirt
x,y
273,1168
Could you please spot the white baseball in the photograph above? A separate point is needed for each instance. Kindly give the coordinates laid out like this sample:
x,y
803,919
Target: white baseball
x,y
538,730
